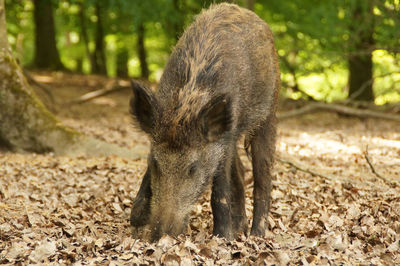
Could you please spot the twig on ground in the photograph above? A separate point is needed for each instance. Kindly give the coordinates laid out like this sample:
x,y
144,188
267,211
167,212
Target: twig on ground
x,y
111,86
313,107
371,166
303,169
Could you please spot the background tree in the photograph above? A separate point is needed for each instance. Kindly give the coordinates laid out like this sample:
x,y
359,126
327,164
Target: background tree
x,y
320,37
329,50
46,52
99,66
250,4
84,34
122,61
360,57
142,53
26,124
3,30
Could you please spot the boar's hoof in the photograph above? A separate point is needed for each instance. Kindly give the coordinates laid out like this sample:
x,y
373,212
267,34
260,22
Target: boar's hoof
x,y
258,231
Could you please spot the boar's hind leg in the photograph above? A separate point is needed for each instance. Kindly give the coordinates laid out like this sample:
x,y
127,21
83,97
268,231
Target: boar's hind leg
x,y
238,210
141,206
220,200
262,152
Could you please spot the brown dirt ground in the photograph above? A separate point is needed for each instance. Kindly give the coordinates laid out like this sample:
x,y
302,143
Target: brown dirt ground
x,y
61,210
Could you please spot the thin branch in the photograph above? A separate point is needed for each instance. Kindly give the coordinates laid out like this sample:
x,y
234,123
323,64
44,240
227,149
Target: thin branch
x,y
111,86
368,82
313,107
371,166
303,169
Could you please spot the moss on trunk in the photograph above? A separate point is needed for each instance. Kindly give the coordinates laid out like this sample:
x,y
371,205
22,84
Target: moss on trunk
x,y
26,124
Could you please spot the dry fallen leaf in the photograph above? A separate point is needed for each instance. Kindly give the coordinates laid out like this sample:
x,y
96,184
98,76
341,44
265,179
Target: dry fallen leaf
x,y
43,251
61,210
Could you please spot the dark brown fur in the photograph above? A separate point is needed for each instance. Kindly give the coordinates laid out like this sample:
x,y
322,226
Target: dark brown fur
x,y
222,81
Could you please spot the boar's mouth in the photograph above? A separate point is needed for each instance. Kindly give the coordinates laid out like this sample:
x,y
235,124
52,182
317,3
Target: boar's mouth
x,y
173,226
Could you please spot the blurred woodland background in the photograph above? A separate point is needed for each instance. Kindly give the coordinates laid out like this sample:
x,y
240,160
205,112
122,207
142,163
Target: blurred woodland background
x,y
329,50
335,197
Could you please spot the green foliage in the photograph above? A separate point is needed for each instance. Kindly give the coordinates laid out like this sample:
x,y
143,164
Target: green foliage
x,y
314,38
19,16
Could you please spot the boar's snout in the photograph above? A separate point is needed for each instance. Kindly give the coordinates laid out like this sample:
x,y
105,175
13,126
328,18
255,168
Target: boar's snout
x,y
168,223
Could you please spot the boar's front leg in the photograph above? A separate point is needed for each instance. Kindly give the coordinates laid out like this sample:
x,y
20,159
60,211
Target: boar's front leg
x,y
239,219
221,200
262,152
141,206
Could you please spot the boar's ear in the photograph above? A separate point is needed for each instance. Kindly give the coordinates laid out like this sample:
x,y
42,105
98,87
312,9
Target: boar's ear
x,y
143,107
216,118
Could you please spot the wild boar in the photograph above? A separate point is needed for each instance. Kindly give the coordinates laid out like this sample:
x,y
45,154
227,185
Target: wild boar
x,y
221,82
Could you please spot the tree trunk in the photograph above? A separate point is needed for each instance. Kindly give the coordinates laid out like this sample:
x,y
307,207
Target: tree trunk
x,y
99,54
85,35
122,62
178,21
250,4
360,60
46,53
26,124
3,31
142,52
360,77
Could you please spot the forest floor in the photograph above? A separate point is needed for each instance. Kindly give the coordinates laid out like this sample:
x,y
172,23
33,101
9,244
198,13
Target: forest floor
x,y
62,210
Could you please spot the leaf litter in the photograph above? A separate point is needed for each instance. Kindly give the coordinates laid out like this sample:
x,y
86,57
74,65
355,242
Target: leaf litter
x,y
61,210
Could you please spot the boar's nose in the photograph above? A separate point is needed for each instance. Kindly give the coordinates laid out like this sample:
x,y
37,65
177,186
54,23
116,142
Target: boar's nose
x,y
172,228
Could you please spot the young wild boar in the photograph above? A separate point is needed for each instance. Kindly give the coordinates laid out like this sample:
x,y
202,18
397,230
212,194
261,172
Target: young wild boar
x,y
222,81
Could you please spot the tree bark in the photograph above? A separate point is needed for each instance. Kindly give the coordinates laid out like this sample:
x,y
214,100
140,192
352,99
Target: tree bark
x,y
122,62
340,109
99,66
25,123
46,53
27,126
250,4
178,22
85,35
142,52
3,31
360,61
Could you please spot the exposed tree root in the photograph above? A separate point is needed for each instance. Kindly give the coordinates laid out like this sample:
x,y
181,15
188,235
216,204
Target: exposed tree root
x,y
111,86
371,166
302,168
314,107
42,86
27,126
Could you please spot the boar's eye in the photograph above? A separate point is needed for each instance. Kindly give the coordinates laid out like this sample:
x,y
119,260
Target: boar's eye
x,y
193,168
